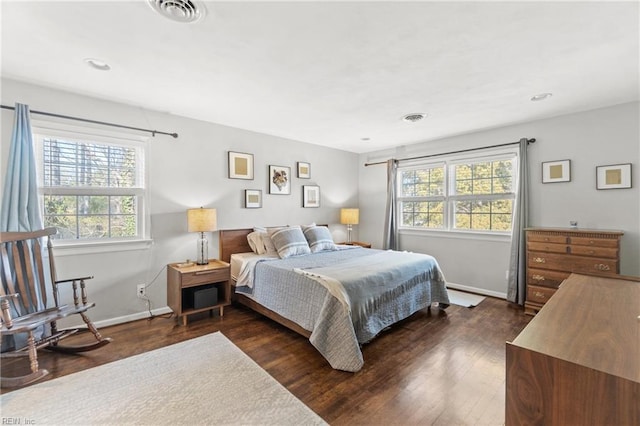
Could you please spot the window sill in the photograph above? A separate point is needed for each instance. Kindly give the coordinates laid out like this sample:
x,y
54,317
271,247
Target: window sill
x,y
461,235
66,248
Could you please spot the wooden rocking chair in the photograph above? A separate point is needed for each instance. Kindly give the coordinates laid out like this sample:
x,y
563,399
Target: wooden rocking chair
x,y
25,301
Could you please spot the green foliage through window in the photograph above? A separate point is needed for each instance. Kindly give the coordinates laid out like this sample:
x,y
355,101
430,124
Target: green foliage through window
x,y
91,190
469,196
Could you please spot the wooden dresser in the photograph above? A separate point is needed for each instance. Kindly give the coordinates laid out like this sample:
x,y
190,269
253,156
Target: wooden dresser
x,y
554,253
578,363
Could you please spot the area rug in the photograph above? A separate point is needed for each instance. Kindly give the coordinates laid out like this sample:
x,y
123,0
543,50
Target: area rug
x,y
203,381
460,298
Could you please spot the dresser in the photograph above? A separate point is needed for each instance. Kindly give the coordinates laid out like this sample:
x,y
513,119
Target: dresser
x,y
554,253
578,363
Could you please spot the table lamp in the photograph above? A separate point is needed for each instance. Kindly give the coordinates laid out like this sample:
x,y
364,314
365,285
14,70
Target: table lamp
x,y
201,220
349,217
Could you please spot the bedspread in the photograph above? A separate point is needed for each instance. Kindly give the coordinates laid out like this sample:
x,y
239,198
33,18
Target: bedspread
x,y
355,306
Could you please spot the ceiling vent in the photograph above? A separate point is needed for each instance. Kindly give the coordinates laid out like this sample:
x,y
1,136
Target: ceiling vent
x,y
184,11
412,118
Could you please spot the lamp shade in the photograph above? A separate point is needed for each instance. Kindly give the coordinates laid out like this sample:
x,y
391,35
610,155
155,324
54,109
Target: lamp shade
x,y
349,216
201,220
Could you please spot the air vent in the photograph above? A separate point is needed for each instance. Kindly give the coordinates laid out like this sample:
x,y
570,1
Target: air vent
x,y
185,11
412,118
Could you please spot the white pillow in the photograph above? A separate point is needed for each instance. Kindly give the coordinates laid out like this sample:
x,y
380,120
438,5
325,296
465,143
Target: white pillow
x,y
266,239
256,242
319,238
289,242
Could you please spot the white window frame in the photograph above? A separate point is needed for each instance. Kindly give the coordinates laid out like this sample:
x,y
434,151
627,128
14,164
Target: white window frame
x,y
449,162
43,129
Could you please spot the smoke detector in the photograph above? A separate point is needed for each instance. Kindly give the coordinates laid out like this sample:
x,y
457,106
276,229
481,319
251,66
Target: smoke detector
x,y
413,117
184,11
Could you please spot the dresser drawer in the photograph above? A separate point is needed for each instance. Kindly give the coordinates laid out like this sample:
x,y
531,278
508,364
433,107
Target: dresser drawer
x,y
594,251
594,242
201,277
545,278
548,247
543,238
539,294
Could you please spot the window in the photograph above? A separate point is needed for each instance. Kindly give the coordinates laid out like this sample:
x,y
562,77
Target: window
x,y
92,186
459,195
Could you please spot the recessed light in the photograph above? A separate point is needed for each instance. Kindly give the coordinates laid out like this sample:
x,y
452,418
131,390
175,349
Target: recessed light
x,y
414,116
541,97
97,64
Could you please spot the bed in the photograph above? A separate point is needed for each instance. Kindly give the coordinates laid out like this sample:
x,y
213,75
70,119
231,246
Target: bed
x,y
328,297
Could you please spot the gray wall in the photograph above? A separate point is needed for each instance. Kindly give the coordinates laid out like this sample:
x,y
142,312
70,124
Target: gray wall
x,y
190,171
589,139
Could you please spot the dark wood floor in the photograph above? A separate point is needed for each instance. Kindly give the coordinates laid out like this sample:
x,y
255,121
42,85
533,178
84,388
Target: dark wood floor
x,y
435,368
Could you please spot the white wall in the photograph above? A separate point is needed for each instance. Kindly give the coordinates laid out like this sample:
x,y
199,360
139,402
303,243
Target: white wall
x,y
589,139
190,171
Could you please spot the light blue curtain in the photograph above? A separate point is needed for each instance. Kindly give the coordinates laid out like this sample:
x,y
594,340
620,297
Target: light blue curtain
x,y
20,206
390,240
516,288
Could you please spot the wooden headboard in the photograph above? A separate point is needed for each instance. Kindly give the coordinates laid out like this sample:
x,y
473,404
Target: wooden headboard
x,y
235,241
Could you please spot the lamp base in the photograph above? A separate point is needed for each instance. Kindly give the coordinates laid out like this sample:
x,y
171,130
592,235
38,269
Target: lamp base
x,y
202,254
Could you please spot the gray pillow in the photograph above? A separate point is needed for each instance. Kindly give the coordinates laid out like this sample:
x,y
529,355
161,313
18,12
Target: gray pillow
x,y
319,238
289,242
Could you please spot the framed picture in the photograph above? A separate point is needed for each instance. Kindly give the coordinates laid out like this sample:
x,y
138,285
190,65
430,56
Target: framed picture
x,y
252,198
556,171
310,196
240,165
304,170
279,180
615,176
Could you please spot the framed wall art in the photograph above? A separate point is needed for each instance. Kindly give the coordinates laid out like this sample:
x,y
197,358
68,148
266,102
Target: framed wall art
x,y
304,170
615,176
556,171
252,198
279,180
240,165
310,196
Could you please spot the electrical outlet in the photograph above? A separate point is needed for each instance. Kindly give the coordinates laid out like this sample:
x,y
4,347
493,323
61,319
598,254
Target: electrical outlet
x,y
141,290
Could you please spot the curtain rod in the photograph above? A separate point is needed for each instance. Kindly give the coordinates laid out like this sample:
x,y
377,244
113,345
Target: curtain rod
x,y
104,123
532,140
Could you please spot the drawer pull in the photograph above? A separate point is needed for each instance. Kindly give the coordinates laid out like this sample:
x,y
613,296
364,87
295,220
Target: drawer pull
x,y
601,267
539,294
205,272
546,239
539,260
537,277
591,252
591,242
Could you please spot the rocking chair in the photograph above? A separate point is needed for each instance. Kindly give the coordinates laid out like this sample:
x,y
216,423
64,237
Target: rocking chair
x,y
25,302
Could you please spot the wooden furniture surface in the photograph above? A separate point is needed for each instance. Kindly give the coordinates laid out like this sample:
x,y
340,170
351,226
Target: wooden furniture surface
x,y
578,360
183,281
554,253
357,243
31,306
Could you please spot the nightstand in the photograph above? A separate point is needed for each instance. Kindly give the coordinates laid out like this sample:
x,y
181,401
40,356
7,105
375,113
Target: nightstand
x,y
198,288
357,243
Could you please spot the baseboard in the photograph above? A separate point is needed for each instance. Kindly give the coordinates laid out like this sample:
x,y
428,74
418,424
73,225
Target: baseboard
x,y
125,318
477,290
132,317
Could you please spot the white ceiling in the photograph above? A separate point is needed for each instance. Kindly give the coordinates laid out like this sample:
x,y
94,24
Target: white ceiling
x,y
332,73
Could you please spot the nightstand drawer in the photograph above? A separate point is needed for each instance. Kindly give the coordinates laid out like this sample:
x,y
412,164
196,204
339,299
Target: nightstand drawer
x,y
201,277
